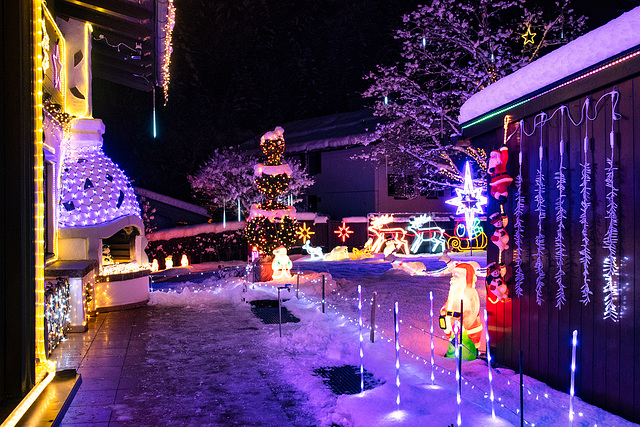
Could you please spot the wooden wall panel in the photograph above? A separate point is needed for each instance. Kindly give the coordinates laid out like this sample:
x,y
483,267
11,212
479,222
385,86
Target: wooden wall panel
x,y
608,368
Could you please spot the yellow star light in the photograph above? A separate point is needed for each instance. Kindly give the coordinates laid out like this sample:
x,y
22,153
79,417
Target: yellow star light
x,y
304,232
528,36
343,232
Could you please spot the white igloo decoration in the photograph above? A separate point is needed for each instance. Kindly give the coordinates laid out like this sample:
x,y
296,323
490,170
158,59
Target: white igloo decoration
x,y
93,189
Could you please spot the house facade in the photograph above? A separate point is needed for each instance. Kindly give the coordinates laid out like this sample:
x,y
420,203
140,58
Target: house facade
x,y
63,197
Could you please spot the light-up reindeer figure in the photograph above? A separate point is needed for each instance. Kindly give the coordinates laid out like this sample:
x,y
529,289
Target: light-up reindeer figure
x,y
382,234
435,234
315,252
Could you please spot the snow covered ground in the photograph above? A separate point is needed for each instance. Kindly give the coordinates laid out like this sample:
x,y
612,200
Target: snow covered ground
x,y
332,339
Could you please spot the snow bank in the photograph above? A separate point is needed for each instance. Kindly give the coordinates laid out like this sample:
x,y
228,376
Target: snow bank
x,y
615,37
194,230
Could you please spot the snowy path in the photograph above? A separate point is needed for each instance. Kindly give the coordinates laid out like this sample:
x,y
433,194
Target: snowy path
x,y
238,371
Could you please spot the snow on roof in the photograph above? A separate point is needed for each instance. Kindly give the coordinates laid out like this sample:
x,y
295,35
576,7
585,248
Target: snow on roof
x,y
332,131
613,38
171,201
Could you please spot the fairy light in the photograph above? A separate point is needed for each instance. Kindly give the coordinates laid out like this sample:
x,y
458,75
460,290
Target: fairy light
x,y
165,76
38,178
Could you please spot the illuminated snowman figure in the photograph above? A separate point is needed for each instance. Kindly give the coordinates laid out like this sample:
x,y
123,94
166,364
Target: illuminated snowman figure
x,y
154,265
184,261
281,264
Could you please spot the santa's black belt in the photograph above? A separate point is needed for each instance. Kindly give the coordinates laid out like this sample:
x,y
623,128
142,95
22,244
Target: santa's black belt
x,y
453,313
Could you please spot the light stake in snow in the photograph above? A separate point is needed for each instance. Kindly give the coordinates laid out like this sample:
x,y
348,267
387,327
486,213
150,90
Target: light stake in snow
x,y
373,317
288,288
397,333
572,391
431,333
458,376
491,397
323,293
224,214
361,338
469,200
239,210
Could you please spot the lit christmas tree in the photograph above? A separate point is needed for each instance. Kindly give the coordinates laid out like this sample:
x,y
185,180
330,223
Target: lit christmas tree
x,y
272,223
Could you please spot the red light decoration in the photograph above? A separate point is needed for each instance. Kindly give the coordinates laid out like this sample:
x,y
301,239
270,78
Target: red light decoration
x,y
343,232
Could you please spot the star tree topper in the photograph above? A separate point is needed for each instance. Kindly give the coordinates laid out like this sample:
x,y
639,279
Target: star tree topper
x,y
469,200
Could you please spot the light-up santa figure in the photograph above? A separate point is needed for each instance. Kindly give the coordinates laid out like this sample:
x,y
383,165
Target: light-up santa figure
x,y
462,289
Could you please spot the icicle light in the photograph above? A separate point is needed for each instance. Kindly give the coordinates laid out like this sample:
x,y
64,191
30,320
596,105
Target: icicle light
x,y
519,223
585,204
540,208
561,216
611,239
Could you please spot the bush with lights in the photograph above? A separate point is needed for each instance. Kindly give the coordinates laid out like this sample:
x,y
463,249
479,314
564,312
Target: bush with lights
x,y
272,223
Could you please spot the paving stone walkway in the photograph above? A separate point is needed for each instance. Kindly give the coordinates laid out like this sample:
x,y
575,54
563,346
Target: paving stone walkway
x,y
180,366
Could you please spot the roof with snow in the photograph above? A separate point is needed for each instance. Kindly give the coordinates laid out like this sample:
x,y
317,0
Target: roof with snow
x,y
598,49
327,132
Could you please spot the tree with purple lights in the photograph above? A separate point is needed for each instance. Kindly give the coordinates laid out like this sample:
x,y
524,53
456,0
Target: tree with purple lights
x,y
451,50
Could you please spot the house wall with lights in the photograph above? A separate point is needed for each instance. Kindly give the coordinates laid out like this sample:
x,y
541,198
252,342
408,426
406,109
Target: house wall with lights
x,y
53,198
572,213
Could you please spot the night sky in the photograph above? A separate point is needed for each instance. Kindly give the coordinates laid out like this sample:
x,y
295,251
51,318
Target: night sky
x,y
242,67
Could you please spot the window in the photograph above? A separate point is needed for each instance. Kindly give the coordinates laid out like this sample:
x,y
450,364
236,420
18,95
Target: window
x,y
432,194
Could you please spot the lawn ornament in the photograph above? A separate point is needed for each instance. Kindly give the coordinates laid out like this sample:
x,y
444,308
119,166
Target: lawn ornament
x,y
281,264
315,252
500,180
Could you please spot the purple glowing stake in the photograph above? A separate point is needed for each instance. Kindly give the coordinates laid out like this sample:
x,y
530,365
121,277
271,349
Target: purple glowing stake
x,y
491,397
458,376
572,392
431,333
397,332
361,339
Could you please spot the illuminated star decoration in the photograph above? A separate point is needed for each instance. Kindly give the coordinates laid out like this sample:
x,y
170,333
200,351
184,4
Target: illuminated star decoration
x,y
343,232
304,232
528,36
469,200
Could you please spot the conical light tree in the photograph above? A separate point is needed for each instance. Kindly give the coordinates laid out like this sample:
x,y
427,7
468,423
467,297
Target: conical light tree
x,y
272,223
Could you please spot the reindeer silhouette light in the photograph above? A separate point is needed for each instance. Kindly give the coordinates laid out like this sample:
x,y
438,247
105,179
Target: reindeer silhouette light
x,y
382,234
316,253
435,234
